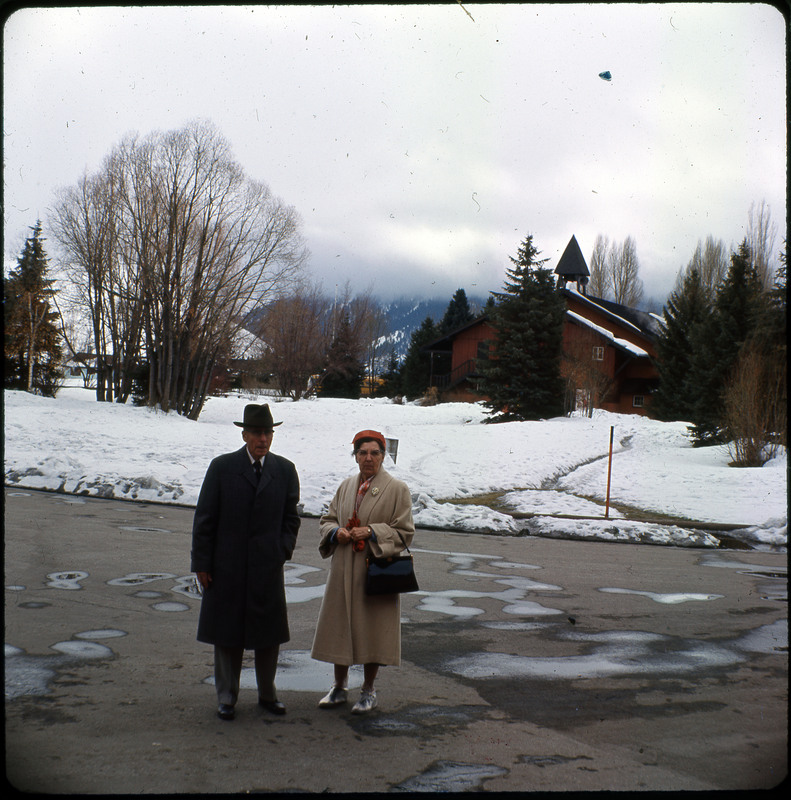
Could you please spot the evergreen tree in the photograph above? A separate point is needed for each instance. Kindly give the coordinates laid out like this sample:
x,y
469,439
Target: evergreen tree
x,y
457,314
33,350
344,372
716,344
522,377
687,308
391,379
416,369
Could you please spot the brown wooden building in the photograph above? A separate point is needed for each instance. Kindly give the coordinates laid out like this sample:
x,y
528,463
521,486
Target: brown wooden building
x,y
607,349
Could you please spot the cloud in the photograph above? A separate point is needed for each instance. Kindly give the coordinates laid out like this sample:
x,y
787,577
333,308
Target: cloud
x,y
419,146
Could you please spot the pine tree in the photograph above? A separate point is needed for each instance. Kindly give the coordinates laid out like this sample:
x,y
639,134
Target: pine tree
x,y
522,377
344,371
457,314
716,344
687,308
391,379
416,369
33,350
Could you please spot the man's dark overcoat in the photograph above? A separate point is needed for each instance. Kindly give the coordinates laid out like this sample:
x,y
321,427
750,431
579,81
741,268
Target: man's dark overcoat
x,y
243,533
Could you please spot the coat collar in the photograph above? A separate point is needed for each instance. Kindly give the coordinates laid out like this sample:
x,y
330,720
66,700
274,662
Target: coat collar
x,y
378,484
246,468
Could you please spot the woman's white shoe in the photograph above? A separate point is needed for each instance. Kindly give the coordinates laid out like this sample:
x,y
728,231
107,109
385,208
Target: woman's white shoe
x,y
366,702
337,697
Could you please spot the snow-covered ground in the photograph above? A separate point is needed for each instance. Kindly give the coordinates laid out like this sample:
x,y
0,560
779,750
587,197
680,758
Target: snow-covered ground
x,y
554,467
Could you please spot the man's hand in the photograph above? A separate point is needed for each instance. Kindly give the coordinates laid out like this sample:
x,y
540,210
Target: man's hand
x,y
204,579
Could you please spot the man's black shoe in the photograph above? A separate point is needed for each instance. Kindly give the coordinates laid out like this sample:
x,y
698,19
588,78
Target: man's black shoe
x,y
225,711
273,706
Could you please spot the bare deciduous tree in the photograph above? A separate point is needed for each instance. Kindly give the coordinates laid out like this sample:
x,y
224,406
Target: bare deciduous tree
x,y
600,282
761,236
711,261
624,269
174,247
83,222
755,407
295,329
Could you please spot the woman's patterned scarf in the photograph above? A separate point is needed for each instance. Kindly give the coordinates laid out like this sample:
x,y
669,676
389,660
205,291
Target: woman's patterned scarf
x,y
354,521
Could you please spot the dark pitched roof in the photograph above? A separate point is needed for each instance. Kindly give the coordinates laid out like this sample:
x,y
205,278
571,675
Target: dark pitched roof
x,y
572,262
445,342
645,323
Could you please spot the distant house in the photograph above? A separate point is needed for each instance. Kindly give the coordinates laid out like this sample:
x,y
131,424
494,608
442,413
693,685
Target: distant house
x,y
607,349
84,365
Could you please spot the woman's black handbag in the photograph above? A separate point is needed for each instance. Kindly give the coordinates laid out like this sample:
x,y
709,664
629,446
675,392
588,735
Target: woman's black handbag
x,y
391,575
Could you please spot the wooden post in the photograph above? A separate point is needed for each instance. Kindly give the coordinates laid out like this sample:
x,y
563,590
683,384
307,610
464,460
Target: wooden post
x,y
609,473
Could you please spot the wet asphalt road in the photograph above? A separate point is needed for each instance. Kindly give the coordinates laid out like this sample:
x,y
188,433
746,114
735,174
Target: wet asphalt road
x,y
528,665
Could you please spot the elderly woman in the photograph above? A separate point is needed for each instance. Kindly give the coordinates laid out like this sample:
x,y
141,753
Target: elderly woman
x,y
366,516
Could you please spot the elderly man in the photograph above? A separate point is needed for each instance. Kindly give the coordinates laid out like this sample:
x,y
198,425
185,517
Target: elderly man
x,y
244,530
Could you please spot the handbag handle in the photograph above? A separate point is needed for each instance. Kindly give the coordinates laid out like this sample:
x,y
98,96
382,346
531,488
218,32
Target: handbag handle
x,y
402,540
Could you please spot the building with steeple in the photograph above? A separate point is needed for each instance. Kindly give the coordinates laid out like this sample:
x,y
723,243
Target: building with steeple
x,y
572,267
608,348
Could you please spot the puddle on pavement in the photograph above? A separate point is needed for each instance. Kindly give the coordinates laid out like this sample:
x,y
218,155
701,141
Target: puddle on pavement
x,y
136,578
667,599
515,626
82,649
450,776
66,580
776,587
615,653
104,633
767,639
27,675
298,672
143,529
605,662
186,585
750,569
444,602
551,761
170,607
422,718
296,590
624,653
303,594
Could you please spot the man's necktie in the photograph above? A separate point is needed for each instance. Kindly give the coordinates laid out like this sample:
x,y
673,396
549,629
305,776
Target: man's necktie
x,y
257,468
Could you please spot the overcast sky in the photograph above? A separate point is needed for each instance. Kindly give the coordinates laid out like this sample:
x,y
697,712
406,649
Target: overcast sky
x,y
421,144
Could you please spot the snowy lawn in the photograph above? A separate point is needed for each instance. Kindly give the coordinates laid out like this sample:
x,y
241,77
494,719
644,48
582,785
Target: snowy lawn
x,y
558,466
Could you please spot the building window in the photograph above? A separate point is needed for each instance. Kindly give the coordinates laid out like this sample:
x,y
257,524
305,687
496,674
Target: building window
x,y
598,354
638,401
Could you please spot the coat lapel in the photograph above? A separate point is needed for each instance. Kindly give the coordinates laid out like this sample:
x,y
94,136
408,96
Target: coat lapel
x,y
268,472
245,467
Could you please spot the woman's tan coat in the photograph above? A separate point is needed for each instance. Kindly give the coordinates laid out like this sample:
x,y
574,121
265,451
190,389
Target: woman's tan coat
x,y
353,627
